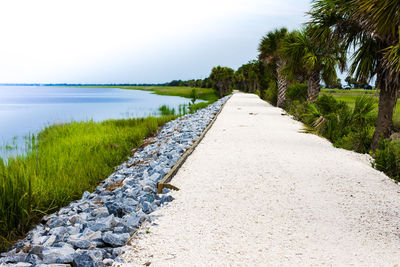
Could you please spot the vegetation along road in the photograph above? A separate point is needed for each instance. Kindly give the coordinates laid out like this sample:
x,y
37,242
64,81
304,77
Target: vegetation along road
x,y
279,198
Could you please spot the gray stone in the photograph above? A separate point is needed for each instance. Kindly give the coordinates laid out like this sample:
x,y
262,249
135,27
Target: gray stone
x,y
115,240
58,231
54,265
85,195
130,202
114,208
83,206
80,243
71,230
109,221
20,264
149,189
129,181
95,237
149,197
50,241
100,212
37,250
87,259
63,211
13,259
133,220
74,219
62,244
58,255
108,262
119,230
59,221
34,259
166,198
40,240
84,216
147,207
94,226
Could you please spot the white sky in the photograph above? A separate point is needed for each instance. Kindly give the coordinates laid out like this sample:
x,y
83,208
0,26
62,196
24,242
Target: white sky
x,y
116,41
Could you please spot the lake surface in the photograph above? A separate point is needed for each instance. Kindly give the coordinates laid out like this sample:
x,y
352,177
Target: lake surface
x,y
28,109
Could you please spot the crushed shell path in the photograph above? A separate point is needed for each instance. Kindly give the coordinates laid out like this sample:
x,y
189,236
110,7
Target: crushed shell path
x,y
258,192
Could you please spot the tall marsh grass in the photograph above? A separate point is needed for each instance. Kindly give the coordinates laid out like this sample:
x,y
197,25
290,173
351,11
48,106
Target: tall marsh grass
x,y
183,109
63,161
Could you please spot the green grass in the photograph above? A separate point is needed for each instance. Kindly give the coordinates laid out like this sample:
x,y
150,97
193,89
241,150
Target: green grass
x,y
349,97
207,94
64,161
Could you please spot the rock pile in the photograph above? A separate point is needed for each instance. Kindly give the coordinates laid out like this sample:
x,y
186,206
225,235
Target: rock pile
x,y
94,230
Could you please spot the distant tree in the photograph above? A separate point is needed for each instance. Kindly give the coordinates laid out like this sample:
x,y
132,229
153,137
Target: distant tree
x,y
222,79
348,80
247,77
174,83
356,83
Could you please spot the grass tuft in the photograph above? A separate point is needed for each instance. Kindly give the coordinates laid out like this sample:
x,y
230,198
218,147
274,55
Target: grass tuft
x,y
63,161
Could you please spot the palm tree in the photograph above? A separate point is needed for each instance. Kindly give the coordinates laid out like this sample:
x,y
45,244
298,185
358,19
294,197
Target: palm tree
x,y
319,58
222,79
248,76
371,27
269,53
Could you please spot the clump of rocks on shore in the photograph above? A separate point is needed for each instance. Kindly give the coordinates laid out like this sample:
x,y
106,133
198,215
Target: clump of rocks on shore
x,y
96,230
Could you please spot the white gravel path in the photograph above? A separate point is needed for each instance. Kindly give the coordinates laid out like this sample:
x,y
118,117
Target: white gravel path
x,y
257,192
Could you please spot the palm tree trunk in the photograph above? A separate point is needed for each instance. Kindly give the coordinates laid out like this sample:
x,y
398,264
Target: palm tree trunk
x,y
387,102
282,84
313,84
220,91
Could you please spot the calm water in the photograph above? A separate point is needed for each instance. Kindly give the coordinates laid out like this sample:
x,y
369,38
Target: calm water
x,y
28,109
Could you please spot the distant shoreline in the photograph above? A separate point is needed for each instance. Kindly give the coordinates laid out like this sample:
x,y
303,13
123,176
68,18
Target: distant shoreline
x,y
82,84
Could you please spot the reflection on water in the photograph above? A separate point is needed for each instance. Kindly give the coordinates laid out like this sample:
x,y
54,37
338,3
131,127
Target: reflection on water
x,y
27,109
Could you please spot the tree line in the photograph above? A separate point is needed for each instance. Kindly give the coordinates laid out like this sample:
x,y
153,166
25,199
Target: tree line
x,y
367,30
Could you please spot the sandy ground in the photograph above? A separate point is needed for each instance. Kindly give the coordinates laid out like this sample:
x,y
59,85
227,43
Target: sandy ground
x,y
257,192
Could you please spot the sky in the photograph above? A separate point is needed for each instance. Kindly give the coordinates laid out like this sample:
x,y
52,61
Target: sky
x,y
146,41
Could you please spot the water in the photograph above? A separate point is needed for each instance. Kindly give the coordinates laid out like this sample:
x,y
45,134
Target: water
x,y
28,109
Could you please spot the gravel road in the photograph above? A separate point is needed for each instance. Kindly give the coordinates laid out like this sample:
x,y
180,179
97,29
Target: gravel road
x,y
258,192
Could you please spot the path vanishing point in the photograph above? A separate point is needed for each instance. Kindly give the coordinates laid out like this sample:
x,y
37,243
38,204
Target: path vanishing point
x,y
258,192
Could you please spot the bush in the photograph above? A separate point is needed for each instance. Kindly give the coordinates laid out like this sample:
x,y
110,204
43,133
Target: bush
x,y
297,91
271,94
361,124
359,141
387,158
327,104
345,128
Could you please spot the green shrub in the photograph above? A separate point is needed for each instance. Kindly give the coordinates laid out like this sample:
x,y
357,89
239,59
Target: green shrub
x,y
271,94
344,127
359,141
297,91
327,104
387,158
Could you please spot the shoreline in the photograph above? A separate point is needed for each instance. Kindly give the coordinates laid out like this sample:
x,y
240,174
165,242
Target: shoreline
x,y
110,223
